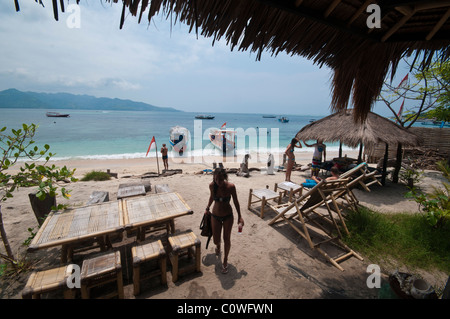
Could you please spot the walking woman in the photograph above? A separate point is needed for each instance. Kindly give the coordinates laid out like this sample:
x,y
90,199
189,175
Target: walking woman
x,y
291,157
221,192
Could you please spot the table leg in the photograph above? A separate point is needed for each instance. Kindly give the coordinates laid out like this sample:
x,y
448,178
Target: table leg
x,y
64,254
263,203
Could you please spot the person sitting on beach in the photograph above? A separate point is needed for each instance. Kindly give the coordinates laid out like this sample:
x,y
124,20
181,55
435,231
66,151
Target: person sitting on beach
x,y
165,156
291,157
316,164
310,183
221,192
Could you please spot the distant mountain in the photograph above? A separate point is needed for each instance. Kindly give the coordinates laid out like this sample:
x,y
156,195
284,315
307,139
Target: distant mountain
x,y
13,98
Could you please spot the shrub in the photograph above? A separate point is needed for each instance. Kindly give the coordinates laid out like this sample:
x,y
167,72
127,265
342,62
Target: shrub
x,y
96,176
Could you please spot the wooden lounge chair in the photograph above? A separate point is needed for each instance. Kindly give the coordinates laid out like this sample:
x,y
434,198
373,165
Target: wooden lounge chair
x,y
305,210
361,170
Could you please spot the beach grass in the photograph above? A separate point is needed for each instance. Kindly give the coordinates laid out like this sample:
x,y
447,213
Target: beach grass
x,y
96,176
405,238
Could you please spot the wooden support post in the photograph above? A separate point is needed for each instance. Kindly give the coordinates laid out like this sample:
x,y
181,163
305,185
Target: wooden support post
x,y
383,176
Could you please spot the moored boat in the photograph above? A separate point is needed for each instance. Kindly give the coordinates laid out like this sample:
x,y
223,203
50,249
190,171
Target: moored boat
x,y
223,139
179,139
283,119
56,114
204,117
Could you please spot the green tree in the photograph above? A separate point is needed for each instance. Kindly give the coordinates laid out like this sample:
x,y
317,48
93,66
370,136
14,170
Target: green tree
x,y
18,144
438,75
425,96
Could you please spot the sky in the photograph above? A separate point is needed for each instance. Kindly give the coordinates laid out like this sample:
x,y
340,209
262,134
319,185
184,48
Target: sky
x,y
160,63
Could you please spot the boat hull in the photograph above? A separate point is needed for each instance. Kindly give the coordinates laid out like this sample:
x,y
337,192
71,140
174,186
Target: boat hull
x,y
55,114
222,141
205,117
179,139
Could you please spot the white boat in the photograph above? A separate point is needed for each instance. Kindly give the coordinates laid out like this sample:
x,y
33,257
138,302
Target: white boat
x,y
179,139
223,139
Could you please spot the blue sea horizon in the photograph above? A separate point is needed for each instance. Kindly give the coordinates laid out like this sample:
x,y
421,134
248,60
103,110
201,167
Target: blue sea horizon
x,y
108,134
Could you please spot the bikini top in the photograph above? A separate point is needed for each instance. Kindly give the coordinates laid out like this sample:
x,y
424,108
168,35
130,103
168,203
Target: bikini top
x,y
222,199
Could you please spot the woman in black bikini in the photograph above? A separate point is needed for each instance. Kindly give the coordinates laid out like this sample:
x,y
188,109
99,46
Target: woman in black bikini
x,y
221,192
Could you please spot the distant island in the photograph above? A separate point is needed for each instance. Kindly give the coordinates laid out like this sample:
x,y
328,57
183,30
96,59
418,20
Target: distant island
x,y
13,98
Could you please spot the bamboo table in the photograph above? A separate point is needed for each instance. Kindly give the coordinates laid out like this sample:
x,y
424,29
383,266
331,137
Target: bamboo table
x,y
153,210
290,187
70,227
262,195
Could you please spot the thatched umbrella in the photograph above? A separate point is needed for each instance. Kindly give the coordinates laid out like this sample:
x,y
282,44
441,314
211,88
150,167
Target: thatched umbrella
x,y
376,129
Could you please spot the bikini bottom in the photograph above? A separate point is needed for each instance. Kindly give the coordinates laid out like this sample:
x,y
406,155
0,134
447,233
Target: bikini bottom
x,y
221,219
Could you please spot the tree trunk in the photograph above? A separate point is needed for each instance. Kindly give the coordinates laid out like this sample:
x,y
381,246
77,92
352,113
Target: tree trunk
x,y
398,163
5,240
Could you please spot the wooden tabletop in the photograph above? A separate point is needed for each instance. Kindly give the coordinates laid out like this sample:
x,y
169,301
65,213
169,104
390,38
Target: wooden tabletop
x,y
153,209
266,193
287,186
75,224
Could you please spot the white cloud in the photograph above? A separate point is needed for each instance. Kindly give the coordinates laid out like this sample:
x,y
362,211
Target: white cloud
x,y
153,63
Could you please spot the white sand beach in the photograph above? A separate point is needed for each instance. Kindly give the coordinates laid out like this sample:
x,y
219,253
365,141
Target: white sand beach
x,y
265,261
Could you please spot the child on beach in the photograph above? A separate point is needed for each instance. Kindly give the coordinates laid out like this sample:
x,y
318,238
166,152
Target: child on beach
x,y
291,157
319,149
165,156
221,192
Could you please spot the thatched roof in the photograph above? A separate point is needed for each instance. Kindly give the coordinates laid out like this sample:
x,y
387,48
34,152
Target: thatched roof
x,y
334,33
341,127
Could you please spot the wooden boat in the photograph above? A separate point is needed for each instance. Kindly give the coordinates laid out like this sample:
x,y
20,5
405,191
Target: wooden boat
x,y
223,139
56,114
204,117
179,138
283,119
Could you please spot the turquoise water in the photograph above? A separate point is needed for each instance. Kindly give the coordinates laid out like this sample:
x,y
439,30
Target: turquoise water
x,y
127,134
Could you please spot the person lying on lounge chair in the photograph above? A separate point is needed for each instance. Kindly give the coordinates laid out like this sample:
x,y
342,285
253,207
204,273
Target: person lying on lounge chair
x,y
315,180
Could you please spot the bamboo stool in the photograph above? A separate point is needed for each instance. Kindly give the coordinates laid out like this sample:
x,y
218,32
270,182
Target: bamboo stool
x,y
146,253
41,282
100,270
181,245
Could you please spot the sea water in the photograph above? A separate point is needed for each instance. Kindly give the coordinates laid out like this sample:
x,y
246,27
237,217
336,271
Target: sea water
x,y
101,134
